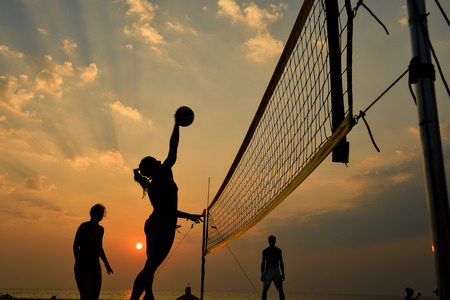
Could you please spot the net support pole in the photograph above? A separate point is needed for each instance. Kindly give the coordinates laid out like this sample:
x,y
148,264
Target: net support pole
x,y
340,153
205,228
204,242
433,161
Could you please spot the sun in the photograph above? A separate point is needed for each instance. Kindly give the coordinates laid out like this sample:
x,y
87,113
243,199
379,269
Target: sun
x,y
139,246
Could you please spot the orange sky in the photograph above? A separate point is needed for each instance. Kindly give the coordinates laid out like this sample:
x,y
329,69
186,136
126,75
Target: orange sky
x,y
89,88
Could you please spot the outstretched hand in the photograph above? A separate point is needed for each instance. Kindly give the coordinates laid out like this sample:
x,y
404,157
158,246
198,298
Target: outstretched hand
x,y
196,218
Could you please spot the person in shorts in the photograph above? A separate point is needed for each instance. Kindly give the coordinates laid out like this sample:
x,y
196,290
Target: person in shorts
x,y
272,263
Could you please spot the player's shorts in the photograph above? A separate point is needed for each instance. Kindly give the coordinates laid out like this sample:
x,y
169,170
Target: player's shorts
x,y
272,274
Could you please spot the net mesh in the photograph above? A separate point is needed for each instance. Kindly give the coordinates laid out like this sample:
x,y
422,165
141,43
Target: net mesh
x,y
292,124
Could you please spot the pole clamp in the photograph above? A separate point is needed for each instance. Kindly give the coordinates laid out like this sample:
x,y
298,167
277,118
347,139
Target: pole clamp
x,y
418,70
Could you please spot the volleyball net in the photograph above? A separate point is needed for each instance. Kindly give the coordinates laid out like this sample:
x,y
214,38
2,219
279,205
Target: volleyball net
x,y
302,118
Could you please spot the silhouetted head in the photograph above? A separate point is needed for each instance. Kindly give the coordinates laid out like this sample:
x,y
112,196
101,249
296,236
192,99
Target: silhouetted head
x,y
148,166
97,212
409,291
272,240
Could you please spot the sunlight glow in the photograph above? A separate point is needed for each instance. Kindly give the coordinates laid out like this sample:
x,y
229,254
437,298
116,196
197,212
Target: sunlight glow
x,y
139,246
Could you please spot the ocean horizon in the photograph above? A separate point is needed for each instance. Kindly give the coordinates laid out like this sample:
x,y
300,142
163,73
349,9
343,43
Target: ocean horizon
x,y
172,295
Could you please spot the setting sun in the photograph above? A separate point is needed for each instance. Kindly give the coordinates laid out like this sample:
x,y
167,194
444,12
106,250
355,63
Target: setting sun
x,y
139,246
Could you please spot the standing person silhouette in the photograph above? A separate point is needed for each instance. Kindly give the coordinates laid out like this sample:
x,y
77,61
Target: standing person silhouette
x,y
272,263
156,180
87,249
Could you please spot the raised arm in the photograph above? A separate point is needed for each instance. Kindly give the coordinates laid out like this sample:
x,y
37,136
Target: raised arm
x,y
173,145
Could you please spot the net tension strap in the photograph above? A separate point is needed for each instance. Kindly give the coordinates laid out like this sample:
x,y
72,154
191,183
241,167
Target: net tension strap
x,y
416,70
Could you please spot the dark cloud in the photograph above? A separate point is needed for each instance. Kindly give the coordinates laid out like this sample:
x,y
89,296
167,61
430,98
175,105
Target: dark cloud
x,y
22,205
390,209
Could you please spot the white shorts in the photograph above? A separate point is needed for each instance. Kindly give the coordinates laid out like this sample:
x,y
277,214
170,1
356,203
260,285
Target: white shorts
x,y
272,274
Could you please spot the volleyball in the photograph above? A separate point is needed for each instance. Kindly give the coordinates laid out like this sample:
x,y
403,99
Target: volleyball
x,y
184,116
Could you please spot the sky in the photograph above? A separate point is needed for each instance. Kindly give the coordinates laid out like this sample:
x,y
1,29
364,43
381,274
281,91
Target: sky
x,y
88,88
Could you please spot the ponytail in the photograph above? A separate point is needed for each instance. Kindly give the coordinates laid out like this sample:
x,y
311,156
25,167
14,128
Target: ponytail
x,y
143,182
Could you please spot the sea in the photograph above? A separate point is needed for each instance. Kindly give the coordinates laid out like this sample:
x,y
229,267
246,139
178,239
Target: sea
x,y
172,295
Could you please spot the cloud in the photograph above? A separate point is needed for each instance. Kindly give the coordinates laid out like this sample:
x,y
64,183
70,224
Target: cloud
x,y
252,15
42,31
89,74
50,79
79,162
69,46
231,9
7,52
18,93
145,11
142,8
263,46
37,183
28,205
181,29
13,97
44,157
143,30
65,69
403,21
49,82
148,33
110,159
125,111
17,213
5,188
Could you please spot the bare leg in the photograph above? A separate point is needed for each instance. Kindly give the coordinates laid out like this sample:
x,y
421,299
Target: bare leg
x,y
96,284
264,294
279,286
159,242
82,283
144,282
138,286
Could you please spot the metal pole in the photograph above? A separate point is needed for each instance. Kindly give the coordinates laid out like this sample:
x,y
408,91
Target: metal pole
x,y
340,153
202,286
204,241
433,161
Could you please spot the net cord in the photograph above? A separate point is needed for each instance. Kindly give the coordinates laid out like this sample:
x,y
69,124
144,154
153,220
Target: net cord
x,y
340,133
290,45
